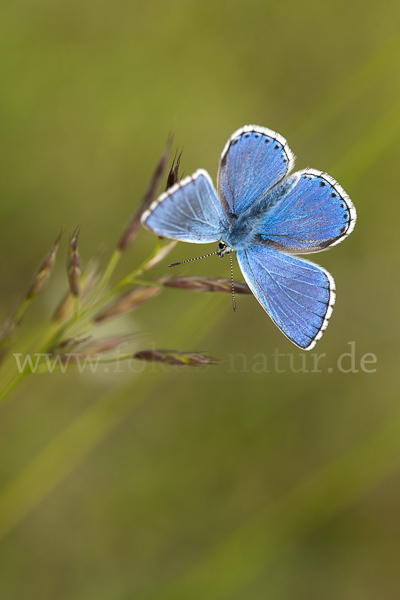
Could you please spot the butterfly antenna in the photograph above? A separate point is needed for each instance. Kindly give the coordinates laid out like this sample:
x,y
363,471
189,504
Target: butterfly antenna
x,y
190,259
233,287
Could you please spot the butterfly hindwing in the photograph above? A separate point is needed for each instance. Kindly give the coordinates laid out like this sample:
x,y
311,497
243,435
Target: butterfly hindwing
x,y
315,215
253,160
189,211
297,295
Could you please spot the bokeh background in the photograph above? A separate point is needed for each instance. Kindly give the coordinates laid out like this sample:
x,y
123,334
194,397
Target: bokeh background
x,y
222,483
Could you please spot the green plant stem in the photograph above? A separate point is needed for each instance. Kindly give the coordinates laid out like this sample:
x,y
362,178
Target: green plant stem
x,y
22,310
114,260
77,308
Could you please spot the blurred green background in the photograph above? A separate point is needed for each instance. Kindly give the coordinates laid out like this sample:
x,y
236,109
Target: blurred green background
x,y
221,483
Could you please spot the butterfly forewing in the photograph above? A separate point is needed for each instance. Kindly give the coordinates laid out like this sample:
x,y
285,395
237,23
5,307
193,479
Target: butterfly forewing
x,y
316,214
253,161
189,211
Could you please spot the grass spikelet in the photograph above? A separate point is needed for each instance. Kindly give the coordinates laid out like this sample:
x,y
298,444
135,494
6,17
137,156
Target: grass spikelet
x,y
73,266
131,231
88,282
44,271
208,284
176,357
173,175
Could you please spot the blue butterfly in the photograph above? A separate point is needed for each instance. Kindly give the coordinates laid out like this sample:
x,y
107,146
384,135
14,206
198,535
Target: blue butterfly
x,y
265,215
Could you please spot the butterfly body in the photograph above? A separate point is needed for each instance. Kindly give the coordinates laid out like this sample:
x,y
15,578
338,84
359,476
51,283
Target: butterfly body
x,y
246,228
265,215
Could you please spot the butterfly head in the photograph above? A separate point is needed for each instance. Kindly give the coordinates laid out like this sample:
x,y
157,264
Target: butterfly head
x,y
223,249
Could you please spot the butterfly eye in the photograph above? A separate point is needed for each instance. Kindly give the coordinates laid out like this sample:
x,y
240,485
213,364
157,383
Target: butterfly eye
x,y
221,245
